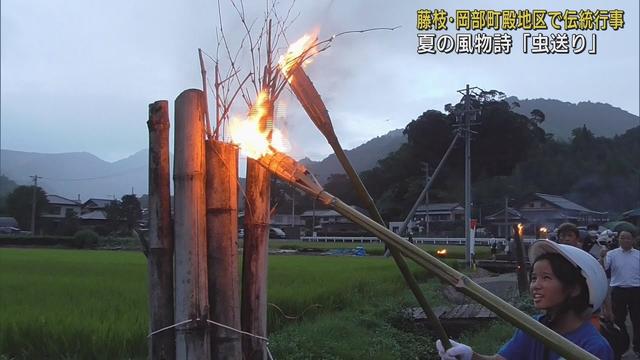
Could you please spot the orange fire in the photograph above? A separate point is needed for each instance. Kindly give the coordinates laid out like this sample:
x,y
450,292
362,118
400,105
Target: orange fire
x,y
256,139
520,230
299,53
441,252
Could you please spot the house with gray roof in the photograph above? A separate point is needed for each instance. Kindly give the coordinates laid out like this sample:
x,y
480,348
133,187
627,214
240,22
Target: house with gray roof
x,y
539,210
60,206
94,204
327,222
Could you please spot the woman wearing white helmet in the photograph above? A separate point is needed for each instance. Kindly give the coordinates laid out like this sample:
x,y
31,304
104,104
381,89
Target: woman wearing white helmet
x,y
567,284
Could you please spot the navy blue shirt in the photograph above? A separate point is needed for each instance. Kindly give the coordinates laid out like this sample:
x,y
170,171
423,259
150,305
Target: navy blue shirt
x,y
525,347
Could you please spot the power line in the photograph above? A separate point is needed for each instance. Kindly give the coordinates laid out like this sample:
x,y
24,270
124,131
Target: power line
x,y
97,177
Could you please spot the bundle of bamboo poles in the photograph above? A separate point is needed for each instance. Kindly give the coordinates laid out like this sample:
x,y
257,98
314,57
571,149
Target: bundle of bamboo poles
x,y
295,174
199,269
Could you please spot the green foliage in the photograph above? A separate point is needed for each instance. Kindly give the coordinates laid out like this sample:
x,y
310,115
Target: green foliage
x,y
24,240
130,210
340,186
127,211
399,178
512,156
85,239
6,185
70,224
489,339
19,204
69,242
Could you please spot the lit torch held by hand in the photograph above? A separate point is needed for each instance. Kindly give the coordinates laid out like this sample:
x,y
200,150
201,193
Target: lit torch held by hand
x,y
262,148
297,175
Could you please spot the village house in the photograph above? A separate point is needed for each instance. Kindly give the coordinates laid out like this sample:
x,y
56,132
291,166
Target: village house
x,y
443,219
538,210
326,222
59,209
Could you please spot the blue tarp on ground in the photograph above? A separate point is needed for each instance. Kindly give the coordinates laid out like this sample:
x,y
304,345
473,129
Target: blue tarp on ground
x,y
358,251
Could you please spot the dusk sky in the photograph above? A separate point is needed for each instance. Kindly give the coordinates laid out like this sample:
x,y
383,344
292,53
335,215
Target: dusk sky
x,y
79,75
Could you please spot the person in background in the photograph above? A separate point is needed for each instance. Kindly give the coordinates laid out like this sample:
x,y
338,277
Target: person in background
x,y
624,265
567,284
569,234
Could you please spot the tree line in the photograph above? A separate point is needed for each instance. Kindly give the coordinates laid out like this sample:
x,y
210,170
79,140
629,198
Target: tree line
x,y
511,156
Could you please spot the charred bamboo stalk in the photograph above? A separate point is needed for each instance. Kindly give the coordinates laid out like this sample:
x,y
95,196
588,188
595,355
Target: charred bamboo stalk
x,y
160,245
311,101
289,170
192,303
222,248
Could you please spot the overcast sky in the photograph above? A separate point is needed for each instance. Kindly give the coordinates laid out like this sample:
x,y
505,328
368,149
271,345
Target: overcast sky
x,y
79,75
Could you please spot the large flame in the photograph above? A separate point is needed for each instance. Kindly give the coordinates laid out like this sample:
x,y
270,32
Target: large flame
x,y
520,230
252,134
298,54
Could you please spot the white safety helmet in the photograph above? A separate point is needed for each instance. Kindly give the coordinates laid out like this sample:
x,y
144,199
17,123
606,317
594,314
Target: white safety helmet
x,y
590,267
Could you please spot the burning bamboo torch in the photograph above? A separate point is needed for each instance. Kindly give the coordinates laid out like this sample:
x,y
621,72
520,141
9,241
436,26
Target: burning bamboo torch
x,y
521,269
297,175
291,66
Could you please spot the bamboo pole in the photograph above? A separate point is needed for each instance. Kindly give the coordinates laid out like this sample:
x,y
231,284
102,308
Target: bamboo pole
x,y
222,253
254,262
256,233
311,101
192,340
160,245
289,170
521,268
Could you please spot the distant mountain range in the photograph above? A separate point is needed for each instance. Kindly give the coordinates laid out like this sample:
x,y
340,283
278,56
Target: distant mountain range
x,y
362,157
78,173
562,117
81,173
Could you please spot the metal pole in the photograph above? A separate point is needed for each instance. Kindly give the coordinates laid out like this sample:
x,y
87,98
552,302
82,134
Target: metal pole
x,y
160,259
426,203
467,179
403,227
293,209
33,204
506,220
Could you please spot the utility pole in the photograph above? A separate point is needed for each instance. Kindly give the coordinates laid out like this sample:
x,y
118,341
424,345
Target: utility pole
x,y
426,203
33,203
506,219
467,178
293,208
468,114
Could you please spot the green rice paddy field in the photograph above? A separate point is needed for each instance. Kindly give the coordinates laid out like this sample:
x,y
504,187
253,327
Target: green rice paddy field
x,y
83,304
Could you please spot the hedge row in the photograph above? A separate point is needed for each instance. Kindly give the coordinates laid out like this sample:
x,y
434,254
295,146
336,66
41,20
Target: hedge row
x,y
81,240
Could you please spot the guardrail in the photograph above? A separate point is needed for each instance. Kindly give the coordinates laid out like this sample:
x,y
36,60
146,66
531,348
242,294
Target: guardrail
x,y
416,240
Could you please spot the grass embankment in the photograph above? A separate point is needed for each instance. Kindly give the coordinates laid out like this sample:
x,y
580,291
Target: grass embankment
x,y
70,304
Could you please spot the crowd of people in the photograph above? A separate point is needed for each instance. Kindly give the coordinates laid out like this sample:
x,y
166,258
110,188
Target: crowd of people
x,y
585,290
